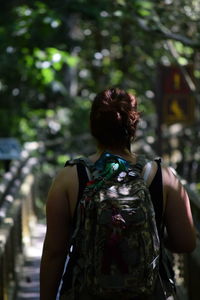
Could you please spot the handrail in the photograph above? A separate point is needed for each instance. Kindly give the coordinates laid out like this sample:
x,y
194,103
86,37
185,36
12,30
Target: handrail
x,y
14,223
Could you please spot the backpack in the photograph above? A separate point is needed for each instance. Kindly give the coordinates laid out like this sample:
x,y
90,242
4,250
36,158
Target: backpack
x,y
115,239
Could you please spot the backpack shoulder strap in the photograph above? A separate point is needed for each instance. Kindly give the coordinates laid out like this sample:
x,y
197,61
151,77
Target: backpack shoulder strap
x,y
150,170
83,179
81,160
156,191
84,161
83,166
166,270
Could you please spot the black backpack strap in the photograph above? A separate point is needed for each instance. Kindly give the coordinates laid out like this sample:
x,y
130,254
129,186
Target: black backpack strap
x,y
83,179
156,191
81,164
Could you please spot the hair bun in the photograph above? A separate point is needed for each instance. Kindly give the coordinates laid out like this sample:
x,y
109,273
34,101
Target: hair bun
x,y
114,118
111,115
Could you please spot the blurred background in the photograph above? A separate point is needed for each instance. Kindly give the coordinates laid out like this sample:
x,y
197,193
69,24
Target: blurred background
x,y
54,57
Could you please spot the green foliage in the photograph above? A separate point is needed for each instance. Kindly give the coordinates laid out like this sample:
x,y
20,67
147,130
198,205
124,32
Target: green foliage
x,y
80,116
144,8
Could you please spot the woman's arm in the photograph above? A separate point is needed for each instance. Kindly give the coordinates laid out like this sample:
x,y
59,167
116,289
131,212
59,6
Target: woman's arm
x,y
181,236
57,236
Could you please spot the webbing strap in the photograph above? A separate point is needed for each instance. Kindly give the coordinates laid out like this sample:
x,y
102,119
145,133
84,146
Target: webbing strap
x,y
147,171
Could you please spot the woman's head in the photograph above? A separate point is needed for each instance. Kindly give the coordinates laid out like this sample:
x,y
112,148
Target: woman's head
x,y
114,118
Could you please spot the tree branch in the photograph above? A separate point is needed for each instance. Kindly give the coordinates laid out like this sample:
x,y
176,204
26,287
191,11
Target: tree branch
x,y
161,29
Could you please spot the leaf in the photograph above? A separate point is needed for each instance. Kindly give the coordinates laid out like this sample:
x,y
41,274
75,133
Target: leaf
x,y
48,75
144,8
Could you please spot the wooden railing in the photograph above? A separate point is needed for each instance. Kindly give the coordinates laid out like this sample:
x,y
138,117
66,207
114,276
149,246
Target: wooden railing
x,y
16,211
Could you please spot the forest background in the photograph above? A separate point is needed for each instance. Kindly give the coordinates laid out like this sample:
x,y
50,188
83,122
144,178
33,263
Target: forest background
x,y
56,55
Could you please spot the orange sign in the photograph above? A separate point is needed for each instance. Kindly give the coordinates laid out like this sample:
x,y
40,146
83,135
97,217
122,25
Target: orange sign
x,y
178,108
178,102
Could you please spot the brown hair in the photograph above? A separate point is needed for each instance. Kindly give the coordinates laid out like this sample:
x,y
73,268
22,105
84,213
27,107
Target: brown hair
x,y
114,118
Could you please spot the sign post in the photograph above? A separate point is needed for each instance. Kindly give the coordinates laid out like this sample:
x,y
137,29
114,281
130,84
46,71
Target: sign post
x,y
178,101
174,99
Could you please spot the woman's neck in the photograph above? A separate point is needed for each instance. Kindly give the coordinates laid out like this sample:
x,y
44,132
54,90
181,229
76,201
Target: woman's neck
x,y
124,153
120,152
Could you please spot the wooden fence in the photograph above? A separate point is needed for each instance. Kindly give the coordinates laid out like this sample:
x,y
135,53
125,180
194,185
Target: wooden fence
x,y
17,210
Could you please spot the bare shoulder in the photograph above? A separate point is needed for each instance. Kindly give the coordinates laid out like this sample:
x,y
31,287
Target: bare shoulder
x,y
64,177
66,172
170,179
61,187
175,194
